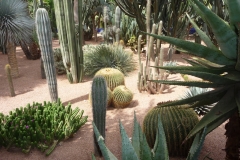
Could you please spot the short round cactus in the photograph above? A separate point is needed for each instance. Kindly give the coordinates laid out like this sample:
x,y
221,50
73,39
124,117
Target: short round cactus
x,y
122,96
177,123
113,77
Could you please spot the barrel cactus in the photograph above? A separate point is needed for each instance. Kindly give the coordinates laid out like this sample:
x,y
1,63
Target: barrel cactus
x,y
113,77
44,34
122,96
99,105
177,123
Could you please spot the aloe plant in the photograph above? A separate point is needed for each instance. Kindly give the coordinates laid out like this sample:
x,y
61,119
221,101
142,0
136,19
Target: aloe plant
x,y
138,149
220,68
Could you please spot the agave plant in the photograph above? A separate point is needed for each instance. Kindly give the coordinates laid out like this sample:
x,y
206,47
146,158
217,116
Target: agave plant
x,y
16,28
107,56
220,67
138,149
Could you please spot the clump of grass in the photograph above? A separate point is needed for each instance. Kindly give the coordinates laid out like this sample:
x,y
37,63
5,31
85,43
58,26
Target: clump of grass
x,y
105,56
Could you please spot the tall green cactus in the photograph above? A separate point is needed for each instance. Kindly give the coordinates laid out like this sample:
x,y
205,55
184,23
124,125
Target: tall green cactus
x,y
44,34
99,105
71,44
177,123
9,76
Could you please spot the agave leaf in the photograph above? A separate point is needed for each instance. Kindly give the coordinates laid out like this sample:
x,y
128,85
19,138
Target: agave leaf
x,y
107,154
160,147
193,63
234,11
237,99
234,75
217,79
202,35
219,111
220,120
197,145
199,50
225,36
145,149
189,83
195,68
128,151
219,92
136,136
206,63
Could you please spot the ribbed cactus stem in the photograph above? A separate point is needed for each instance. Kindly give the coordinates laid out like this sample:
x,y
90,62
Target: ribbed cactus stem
x,y
161,62
9,77
150,45
99,105
160,25
105,18
117,17
139,50
118,35
44,33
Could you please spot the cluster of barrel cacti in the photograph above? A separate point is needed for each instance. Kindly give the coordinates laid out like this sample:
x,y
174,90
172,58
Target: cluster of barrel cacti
x,y
40,125
118,93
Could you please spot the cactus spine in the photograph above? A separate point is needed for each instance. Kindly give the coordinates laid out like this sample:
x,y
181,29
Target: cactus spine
x,y
9,77
177,123
44,34
99,105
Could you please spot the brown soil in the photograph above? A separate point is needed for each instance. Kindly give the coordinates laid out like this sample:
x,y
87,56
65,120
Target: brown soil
x,y
29,87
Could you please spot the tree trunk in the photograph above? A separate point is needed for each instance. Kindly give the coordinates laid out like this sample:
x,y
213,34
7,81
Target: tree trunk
x,y
12,59
233,137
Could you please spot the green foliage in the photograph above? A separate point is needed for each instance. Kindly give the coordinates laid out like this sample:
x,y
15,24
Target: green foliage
x,y
122,96
15,23
99,98
104,56
220,67
177,123
138,148
40,125
58,61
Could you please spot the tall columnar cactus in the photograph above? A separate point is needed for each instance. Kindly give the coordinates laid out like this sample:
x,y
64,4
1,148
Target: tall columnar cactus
x,y
9,77
44,34
71,44
105,20
177,123
113,77
99,105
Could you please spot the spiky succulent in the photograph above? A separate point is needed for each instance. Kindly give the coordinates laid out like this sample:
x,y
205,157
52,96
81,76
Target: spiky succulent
x,y
15,23
104,56
193,91
219,67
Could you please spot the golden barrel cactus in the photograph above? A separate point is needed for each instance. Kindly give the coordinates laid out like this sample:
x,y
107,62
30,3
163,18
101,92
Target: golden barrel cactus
x,y
122,96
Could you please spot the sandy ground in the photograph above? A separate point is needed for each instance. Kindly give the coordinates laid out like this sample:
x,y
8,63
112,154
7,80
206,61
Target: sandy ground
x,y
29,87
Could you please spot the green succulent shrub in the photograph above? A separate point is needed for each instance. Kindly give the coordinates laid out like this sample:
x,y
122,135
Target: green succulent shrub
x,y
108,56
113,77
40,126
138,149
219,67
122,96
177,123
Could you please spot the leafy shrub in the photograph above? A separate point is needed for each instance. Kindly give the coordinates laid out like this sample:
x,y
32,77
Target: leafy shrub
x,y
39,125
107,56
